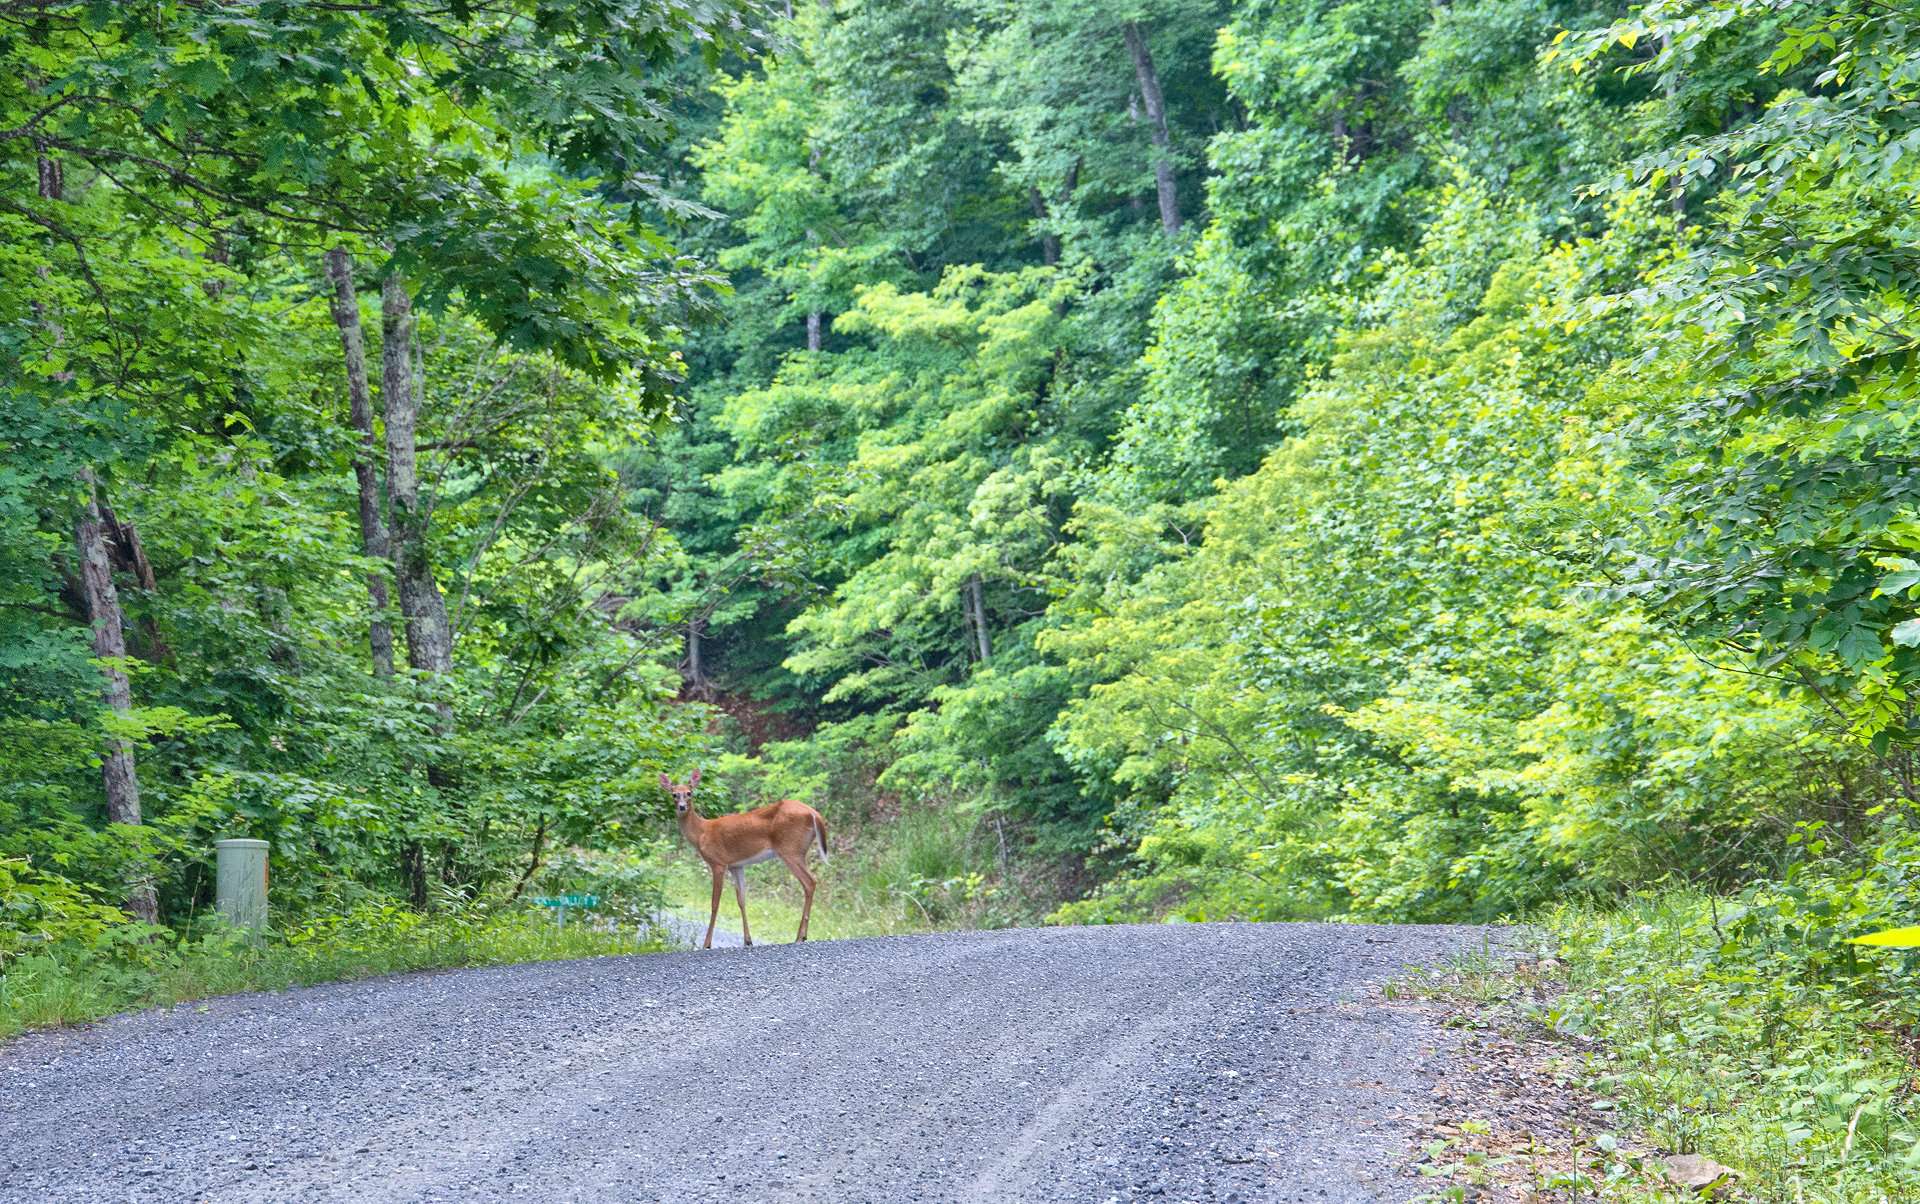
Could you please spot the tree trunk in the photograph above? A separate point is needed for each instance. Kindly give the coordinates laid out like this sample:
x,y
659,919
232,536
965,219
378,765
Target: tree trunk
x,y
53,184
129,555
697,685
813,239
110,644
1156,126
132,554
1049,241
533,860
977,609
429,640
373,527
413,867
117,777
1677,191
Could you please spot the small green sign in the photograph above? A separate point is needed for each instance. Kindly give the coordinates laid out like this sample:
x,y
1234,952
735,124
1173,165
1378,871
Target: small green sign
x,y
568,900
562,904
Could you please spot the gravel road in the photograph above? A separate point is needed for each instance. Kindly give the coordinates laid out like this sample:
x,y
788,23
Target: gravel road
x,y
1205,1062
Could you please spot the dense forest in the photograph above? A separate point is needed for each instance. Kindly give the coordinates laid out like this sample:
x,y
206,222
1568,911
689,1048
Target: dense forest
x,y
1372,459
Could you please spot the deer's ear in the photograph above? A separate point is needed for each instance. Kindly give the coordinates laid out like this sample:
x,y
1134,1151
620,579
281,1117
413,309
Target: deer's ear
x,y
666,783
695,779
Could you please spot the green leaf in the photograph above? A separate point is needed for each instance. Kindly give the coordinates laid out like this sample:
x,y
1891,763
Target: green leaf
x,y
1860,646
1894,583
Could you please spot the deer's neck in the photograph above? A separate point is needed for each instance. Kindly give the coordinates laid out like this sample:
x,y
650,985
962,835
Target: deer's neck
x,y
693,826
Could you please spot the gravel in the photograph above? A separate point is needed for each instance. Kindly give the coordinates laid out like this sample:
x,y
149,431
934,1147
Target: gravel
x,y
1212,1062
688,933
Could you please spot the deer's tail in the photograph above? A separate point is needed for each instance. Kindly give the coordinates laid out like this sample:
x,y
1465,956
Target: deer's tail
x,y
820,834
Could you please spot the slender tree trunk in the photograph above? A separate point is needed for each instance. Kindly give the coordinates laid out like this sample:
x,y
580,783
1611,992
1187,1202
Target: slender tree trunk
x,y
696,669
53,185
429,640
1676,192
977,609
373,527
813,239
413,866
533,860
117,775
118,779
1049,241
1156,126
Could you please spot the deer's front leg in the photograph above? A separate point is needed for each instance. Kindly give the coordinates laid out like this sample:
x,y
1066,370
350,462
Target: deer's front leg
x,y
714,914
740,893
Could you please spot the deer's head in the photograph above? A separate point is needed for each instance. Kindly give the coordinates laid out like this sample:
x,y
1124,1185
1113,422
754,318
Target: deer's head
x,y
682,795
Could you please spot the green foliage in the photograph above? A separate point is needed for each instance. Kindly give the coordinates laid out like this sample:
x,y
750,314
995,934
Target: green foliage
x,y
1452,518
1746,1029
1773,377
40,910
172,175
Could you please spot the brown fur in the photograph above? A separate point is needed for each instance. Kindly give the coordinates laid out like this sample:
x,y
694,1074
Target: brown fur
x,y
727,843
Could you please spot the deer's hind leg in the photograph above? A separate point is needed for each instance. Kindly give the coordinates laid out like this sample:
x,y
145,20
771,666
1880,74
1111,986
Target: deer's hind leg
x,y
798,864
739,873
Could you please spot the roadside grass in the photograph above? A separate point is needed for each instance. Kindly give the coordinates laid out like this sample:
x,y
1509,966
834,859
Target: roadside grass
x,y
921,873
1717,1046
1511,1122
134,969
1690,1043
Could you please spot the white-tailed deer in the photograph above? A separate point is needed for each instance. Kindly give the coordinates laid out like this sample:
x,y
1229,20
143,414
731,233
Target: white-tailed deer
x,y
731,843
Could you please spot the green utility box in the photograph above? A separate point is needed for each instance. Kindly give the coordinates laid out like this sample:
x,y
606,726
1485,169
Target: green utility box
x,y
240,882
